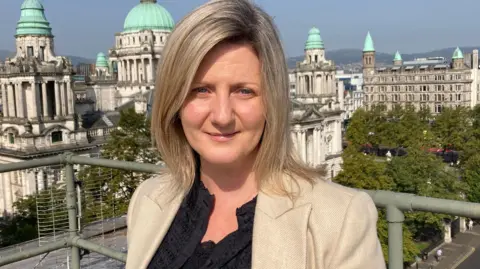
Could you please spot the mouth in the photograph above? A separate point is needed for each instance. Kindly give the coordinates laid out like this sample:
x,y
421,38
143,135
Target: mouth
x,y
221,137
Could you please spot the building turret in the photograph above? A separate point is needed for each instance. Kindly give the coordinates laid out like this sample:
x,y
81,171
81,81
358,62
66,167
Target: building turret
x,y
397,60
368,55
458,59
101,66
314,47
34,36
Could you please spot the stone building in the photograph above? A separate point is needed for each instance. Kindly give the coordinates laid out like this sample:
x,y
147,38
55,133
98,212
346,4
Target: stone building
x,y
317,107
353,97
138,49
38,106
425,82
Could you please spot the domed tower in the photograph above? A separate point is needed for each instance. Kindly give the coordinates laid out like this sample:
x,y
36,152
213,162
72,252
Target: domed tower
x,y
138,48
368,56
397,60
34,36
314,48
101,66
458,59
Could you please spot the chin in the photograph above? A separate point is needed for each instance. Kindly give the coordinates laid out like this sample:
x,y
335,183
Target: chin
x,y
221,158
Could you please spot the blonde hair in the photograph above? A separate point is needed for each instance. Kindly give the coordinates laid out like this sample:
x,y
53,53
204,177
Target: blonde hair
x,y
216,22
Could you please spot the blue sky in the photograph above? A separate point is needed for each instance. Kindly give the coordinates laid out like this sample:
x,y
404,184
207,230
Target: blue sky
x,y
86,27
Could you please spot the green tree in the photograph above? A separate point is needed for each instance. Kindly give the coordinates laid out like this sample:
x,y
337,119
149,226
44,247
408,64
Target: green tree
x,y
452,127
471,175
131,141
423,174
21,226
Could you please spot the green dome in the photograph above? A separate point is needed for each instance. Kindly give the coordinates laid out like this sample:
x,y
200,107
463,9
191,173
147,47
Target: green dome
x,y
368,46
32,19
148,15
101,60
397,57
457,54
314,40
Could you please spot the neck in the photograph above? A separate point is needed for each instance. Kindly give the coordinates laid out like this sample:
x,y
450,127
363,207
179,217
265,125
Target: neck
x,y
235,183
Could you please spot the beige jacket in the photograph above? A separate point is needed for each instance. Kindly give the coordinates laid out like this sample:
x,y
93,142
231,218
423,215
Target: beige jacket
x,y
328,227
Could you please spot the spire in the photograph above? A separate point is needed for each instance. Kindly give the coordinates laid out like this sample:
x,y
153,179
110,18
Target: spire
x,y
32,20
368,46
314,40
397,57
457,54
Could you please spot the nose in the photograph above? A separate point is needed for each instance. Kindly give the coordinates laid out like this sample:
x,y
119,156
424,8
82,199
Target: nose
x,y
222,110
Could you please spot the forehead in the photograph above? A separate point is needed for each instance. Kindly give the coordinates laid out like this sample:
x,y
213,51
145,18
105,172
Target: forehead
x,y
229,61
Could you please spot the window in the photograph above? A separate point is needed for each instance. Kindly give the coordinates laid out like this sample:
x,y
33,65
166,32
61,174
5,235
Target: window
x,y
41,54
316,58
57,137
11,138
30,51
438,108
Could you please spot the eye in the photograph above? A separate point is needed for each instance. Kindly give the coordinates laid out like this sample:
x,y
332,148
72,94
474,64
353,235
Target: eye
x,y
245,91
200,90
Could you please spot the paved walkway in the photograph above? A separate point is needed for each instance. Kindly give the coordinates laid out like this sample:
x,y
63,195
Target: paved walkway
x,y
462,246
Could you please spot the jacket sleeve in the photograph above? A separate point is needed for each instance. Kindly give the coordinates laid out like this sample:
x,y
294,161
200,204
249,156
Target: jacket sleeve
x,y
131,211
358,245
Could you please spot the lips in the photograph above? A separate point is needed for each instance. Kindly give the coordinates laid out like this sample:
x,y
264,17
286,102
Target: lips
x,y
222,137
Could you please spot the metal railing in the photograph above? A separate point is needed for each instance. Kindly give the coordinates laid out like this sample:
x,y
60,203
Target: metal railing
x,y
395,203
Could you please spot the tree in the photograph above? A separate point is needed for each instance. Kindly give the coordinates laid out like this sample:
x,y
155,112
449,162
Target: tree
x,y
452,127
131,141
423,174
471,175
21,226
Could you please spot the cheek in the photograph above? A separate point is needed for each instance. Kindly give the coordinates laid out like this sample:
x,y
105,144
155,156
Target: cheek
x,y
252,116
193,114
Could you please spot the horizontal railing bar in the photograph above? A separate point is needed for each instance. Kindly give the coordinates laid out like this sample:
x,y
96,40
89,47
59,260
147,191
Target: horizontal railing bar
x,y
137,167
81,243
410,202
33,252
59,159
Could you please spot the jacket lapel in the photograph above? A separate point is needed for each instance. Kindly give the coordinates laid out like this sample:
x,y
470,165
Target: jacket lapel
x,y
280,233
155,224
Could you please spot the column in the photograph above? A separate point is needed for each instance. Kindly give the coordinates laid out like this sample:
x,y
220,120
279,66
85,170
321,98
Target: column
x,y
34,101
303,145
462,223
143,71
119,70
8,192
11,101
70,99
129,71
315,147
448,232
312,89
63,96
57,100
44,99
324,84
19,100
4,100
150,70
134,70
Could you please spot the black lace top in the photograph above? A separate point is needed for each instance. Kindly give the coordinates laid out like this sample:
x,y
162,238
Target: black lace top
x,y
182,248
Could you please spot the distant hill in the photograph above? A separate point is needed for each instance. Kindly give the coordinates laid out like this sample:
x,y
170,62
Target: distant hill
x,y
75,59
351,56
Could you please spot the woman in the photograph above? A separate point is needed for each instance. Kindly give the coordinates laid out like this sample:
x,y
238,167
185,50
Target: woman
x,y
235,195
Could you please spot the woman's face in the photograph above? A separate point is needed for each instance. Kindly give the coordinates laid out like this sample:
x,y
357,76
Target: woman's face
x,y
223,116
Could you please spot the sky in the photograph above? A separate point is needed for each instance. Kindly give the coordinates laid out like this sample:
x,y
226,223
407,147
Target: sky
x,y
86,27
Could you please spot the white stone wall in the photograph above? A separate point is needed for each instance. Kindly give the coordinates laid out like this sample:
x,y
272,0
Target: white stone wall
x,y
38,44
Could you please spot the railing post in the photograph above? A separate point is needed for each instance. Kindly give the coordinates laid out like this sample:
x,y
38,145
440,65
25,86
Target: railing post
x,y
72,212
395,218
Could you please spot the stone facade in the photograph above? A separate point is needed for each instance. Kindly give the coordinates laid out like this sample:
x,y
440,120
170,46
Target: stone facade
x,y
317,111
354,94
431,82
39,117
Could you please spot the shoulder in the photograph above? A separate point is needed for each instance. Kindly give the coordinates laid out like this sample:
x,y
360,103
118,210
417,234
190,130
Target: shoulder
x,y
339,203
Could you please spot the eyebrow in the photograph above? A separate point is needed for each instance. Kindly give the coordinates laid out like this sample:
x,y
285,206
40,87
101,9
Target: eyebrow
x,y
235,85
